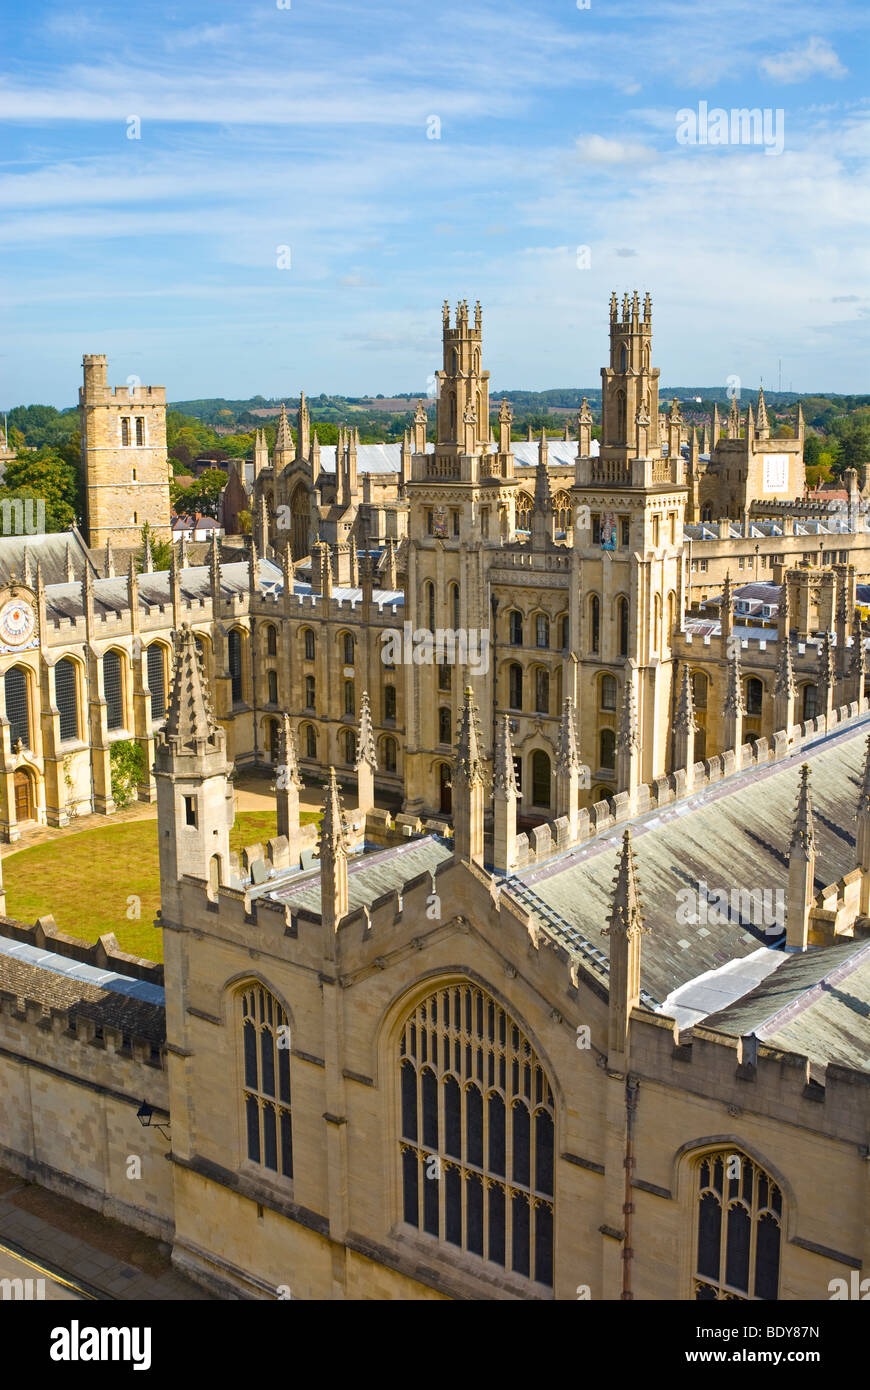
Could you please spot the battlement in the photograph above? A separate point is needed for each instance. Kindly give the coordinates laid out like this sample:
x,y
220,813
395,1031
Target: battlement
x,y
748,1074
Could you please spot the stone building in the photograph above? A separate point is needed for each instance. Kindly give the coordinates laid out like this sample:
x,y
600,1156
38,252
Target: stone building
x,y
401,1075
124,461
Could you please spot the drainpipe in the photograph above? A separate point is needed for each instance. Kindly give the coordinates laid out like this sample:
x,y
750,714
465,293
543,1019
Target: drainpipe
x,y
631,1089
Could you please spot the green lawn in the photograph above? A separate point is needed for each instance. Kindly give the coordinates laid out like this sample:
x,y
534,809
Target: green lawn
x,y
85,879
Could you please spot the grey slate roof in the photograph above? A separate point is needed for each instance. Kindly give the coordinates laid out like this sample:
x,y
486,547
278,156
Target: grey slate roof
x,y
49,550
105,1003
733,835
368,875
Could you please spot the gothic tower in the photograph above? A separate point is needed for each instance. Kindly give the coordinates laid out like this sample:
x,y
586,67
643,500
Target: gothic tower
x,y
124,462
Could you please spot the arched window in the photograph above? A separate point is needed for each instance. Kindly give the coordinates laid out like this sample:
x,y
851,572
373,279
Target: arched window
x,y
114,691
477,1113
389,704
348,645
66,698
657,623
672,614
811,702
594,623
156,680
542,690
564,631
310,741
266,1092
348,741
429,596
273,740
308,636
739,1229
524,511
273,687
623,358
310,692
540,778
621,417
608,692
389,754
515,686
445,792
515,623
542,630
271,640
622,618
607,750
234,649
17,706
699,690
349,698
454,605
444,725
754,695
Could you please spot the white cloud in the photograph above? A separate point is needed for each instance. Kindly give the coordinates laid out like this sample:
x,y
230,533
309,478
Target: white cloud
x,y
803,61
597,149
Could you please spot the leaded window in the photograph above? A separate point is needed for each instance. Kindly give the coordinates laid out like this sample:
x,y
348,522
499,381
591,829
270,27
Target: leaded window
x,y
114,692
739,1230
66,698
234,651
156,681
477,1133
266,1094
17,706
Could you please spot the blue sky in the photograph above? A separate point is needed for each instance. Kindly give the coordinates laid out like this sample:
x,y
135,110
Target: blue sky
x,y
307,127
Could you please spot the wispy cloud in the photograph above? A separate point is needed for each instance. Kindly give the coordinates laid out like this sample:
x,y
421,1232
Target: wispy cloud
x,y
810,59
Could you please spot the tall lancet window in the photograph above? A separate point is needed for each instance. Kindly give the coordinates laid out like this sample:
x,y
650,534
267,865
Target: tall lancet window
x,y
266,1092
477,1132
739,1229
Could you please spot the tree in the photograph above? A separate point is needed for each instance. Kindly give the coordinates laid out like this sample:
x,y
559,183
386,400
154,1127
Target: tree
x,y
202,496
161,551
47,476
127,768
245,521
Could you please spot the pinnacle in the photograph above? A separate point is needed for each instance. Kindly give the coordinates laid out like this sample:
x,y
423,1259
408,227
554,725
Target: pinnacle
x,y
469,763
332,833
504,778
626,917
189,718
567,755
287,755
686,706
803,832
365,752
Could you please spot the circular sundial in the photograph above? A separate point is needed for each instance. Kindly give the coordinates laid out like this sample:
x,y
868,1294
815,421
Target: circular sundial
x,y
17,623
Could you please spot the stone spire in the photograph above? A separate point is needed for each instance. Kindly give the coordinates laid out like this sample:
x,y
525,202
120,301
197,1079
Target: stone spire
x,y
762,428
584,430
261,453
147,555
862,835
784,683
627,741
190,722
726,612
110,559
333,858
625,930
826,676
734,420
366,761
283,452
733,707
568,769
468,785
194,797
542,511
715,429
857,662
303,428
801,868
685,728
287,785
505,797
214,564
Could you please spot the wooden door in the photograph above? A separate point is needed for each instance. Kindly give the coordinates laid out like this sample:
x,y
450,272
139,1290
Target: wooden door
x,y
23,798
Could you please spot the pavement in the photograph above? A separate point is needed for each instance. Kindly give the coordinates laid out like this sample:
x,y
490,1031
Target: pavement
x,y
80,1253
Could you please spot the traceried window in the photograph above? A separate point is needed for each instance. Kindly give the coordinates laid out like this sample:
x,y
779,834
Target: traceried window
x,y
754,695
515,686
113,687
739,1230
347,643
515,622
17,706
542,630
477,1133
156,680
811,702
266,1095
66,698
234,650
310,690
608,692
445,734
271,640
542,690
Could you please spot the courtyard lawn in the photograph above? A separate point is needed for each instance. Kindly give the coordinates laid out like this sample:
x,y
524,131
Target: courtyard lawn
x,y
86,879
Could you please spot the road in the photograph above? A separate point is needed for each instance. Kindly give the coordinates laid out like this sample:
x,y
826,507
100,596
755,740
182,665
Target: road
x,y
22,1278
